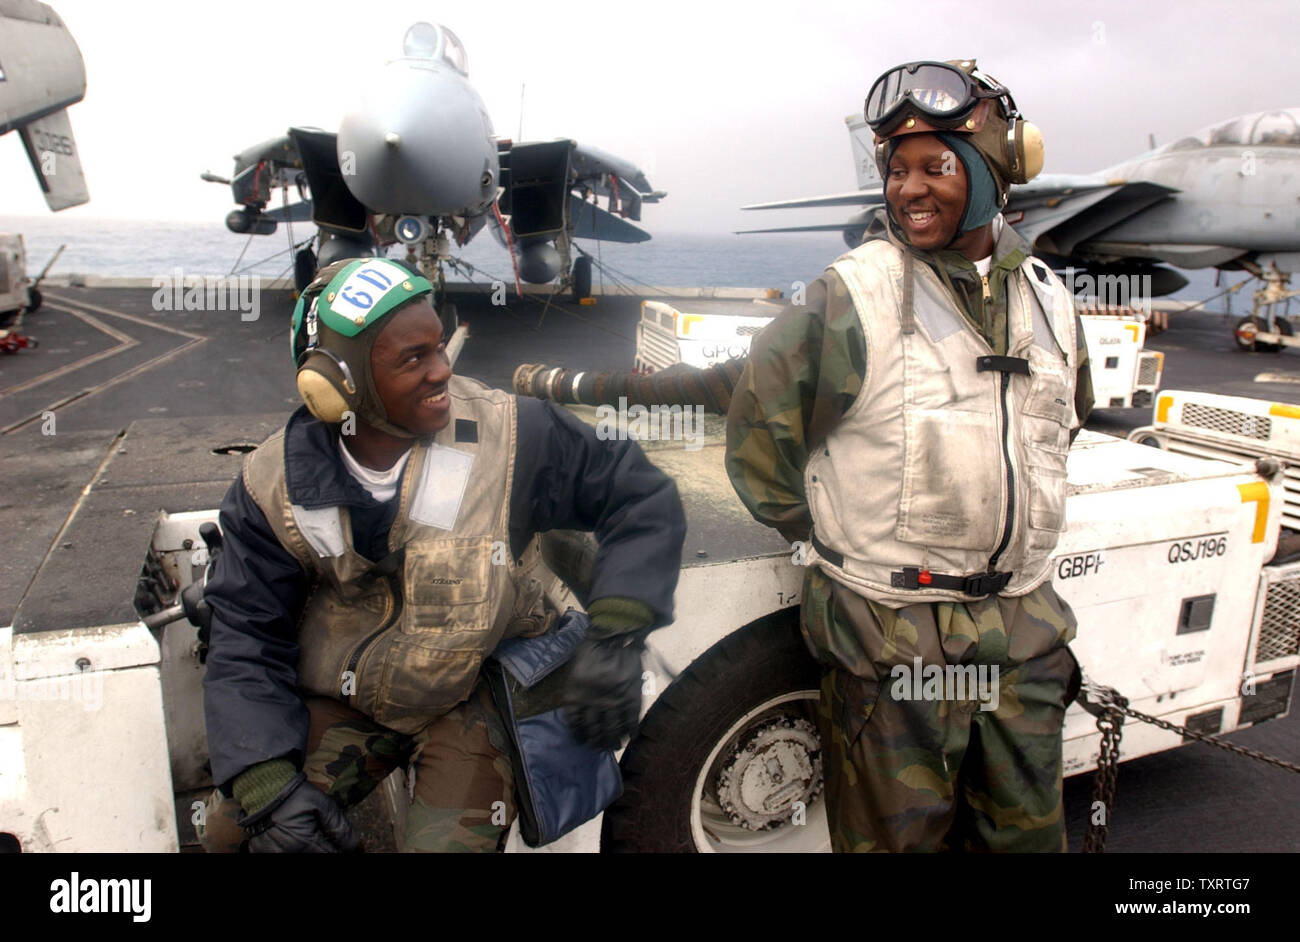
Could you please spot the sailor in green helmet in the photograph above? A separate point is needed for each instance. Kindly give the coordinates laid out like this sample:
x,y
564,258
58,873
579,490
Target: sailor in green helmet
x,y
377,550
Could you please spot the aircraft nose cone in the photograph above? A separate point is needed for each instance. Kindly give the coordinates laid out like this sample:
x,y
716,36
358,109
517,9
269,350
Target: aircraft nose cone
x,y
419,143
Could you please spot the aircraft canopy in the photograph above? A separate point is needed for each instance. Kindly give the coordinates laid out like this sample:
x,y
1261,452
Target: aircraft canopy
x,y
432,41
1261,129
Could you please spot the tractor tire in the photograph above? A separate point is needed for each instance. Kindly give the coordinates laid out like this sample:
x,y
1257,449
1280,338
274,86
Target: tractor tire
x,y
698,775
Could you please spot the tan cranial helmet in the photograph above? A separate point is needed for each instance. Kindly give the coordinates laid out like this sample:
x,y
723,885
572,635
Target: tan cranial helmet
x,y
956,97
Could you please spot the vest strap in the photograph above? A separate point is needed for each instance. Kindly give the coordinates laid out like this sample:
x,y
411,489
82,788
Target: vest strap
x,y
826,553
906,314
986,364
386,567
980,584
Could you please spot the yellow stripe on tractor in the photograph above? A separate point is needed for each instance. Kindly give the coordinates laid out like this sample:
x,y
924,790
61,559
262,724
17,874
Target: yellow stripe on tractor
x,y
1258,492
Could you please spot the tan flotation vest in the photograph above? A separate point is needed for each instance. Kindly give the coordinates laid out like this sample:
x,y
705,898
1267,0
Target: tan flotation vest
x,y
405,648
950,464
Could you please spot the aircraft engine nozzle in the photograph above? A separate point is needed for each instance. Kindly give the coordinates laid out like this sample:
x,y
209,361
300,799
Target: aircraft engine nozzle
x,y
539,263
243,222
420,143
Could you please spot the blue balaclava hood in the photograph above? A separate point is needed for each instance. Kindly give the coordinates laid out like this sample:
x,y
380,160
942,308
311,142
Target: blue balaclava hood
x,y
982,202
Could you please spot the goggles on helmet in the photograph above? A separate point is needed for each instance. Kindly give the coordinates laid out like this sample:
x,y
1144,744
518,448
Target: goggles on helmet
x,y
943,94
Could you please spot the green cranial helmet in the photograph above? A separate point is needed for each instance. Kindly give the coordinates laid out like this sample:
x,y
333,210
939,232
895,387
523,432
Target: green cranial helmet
x,y
334,326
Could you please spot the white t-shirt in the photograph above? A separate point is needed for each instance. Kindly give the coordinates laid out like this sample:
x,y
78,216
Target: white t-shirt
x,y
382,485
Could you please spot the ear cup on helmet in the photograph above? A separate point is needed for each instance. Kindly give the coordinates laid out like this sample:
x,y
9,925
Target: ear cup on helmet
x,y
1029,141
326,385
1024,150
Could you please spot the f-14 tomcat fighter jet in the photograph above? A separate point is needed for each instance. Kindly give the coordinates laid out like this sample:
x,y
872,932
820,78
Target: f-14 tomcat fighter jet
x,y
41,74
418,163
1226,197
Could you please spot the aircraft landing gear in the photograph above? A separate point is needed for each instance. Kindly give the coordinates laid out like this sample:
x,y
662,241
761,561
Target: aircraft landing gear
x,y
1265,318
304,268
450,318
581,278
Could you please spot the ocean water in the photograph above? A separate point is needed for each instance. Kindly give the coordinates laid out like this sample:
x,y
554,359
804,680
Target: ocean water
x,y
149,248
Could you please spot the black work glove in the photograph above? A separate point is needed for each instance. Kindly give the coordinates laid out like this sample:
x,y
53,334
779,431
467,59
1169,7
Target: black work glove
x,y
302,819
602,701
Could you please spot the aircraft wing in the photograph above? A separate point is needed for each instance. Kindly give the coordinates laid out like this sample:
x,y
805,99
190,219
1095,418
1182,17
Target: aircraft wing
x,y
623,182
294,212
825,227
869,197
592,222
1060,215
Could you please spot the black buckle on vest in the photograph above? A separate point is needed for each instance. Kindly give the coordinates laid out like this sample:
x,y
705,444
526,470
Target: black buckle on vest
x,y
986,583
988,364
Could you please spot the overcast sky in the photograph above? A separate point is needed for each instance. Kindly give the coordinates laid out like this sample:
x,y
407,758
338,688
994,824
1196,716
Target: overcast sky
x,y
722,104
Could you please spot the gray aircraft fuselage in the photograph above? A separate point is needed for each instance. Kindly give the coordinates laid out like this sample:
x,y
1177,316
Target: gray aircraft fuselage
x,y
420,142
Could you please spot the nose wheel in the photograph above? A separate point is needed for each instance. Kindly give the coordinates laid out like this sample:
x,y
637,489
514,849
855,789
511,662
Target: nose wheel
x,y
1266,330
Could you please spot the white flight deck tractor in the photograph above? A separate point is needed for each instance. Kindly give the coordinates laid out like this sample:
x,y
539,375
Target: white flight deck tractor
x,y
707,332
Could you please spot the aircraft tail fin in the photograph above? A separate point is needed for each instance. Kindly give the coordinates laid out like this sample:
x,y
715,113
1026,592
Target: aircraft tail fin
x,y
863,142
52,151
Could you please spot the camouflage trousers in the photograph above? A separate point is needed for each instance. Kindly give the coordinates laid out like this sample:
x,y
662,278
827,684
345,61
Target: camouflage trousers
x,y
946,735
459,779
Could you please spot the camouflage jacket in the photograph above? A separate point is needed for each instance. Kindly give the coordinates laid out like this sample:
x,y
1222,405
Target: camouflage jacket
x,y
805,370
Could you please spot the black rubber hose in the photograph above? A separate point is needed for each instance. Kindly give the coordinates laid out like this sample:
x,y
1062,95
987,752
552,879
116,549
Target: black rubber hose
x,y
682,385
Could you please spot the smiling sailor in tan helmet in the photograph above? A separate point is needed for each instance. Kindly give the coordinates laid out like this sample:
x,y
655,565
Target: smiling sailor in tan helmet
x,y
909,425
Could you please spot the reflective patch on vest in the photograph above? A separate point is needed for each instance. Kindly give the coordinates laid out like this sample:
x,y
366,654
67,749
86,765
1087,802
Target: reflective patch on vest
x,y
466,431
1044,336
1045,296
934,311
321,528
441,489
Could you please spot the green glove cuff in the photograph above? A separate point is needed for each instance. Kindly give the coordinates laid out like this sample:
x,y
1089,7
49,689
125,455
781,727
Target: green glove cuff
x,y
257,785
616,615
